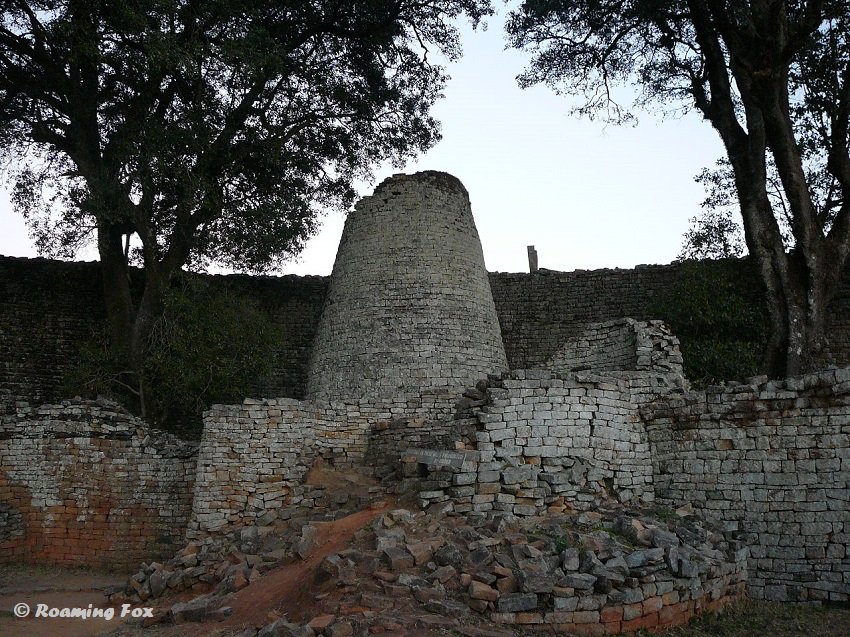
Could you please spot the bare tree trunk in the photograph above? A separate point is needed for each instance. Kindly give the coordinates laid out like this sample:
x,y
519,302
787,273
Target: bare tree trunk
x,y
129,327
118,302
797,312
150,309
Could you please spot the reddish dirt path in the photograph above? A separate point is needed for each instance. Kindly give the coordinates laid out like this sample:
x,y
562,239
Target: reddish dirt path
x,y
55,587
288,590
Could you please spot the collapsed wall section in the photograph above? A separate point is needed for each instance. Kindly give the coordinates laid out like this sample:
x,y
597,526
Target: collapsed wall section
x,y
84,483
772,460
545,441
253,457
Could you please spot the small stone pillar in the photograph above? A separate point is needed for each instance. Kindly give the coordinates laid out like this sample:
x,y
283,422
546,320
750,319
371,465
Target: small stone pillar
x,y
532,259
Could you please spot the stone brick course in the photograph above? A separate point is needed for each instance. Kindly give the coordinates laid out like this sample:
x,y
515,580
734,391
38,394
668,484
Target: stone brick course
x,y
84,483
47,308
771,459
254,456
617,346
403,367
539,312
545,440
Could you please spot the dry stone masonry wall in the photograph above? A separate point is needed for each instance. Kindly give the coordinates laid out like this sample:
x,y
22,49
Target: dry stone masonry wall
x,y
85,483
539,312
254,456
47,308
601,347
409,306
621,345
251,459
772,461
408,362
545,441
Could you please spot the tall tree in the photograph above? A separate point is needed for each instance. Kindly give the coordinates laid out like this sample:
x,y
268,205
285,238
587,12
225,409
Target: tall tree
x,y
208,129
773,79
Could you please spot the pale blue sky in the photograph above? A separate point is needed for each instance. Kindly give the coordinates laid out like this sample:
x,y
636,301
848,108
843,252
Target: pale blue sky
x,y
585,194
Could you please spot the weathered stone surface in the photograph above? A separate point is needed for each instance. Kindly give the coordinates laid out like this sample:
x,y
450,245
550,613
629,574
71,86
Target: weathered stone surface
x,y
307,541
580,581
449,555
517,602
192,611
427,217
397,559
479,590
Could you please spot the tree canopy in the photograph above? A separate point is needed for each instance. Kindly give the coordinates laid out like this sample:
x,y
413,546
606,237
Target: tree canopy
x,y
773,79
208,130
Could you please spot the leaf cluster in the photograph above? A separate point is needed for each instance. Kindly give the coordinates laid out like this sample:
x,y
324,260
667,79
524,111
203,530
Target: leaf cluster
x,y
210,345
717,310
711,57
215,129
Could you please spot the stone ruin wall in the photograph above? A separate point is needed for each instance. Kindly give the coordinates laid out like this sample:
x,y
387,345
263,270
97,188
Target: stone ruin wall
x,y
48,308
539,312
600,347
254,456
408,321
544,439
586,429
771,460
84,483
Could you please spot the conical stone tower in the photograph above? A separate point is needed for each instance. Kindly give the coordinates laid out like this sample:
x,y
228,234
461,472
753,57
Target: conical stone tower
x,y
409,307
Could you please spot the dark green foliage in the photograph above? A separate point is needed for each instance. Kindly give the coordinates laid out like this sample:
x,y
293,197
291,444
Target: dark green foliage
x,y
713,234
212,131
717,310
209,346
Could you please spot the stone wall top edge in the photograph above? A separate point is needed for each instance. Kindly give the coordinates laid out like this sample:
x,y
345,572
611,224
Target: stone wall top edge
x,y
836,380
438,177
4,257
88,418
37,261
831,377
546,273
578,377
78,403
320,402
543,273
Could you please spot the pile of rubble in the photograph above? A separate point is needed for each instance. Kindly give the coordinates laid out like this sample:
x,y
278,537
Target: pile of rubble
x,y
610,570
228,563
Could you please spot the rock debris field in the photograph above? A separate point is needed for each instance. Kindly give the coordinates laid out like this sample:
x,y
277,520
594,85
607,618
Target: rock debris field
x,y
354,561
